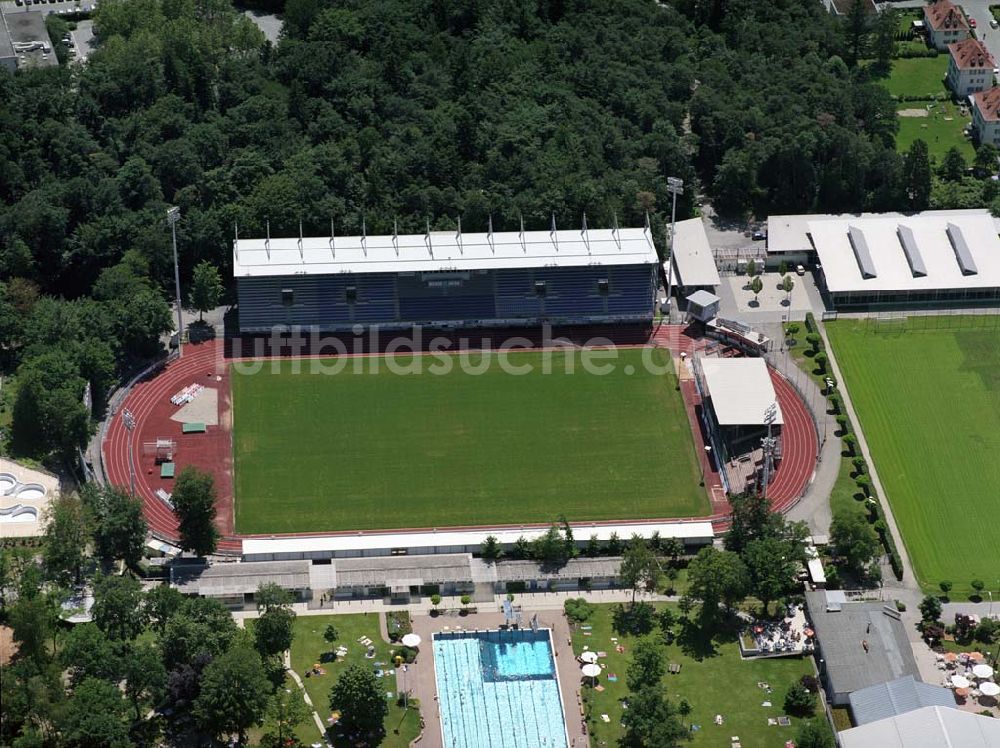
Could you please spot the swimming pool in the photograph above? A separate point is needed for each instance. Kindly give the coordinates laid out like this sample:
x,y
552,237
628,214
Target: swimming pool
x,y
498,689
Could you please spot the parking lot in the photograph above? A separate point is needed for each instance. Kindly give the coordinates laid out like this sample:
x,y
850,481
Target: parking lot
x,y
63,8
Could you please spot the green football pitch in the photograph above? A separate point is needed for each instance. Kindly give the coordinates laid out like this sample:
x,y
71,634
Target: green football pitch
x,y
320,452
929,404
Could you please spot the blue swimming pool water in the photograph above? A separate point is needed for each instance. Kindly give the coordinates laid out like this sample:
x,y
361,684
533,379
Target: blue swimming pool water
x,y
498,689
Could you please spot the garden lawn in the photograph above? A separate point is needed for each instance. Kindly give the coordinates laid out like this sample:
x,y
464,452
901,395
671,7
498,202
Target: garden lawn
x,y
929,405
942,130
713,678
918,76
367,450
308,648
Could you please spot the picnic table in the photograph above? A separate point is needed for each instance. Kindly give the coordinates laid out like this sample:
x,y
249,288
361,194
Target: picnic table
x,y
167,470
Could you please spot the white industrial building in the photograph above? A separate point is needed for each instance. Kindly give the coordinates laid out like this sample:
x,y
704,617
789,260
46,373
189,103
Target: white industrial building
x,y
934,257
693,263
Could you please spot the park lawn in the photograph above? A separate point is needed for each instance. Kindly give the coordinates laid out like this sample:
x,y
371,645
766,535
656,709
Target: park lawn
x,y
942,130
918,76
309,645
714,679
929,405
367,450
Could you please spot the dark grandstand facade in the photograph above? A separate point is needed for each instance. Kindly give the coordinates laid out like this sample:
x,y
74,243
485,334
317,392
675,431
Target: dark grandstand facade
x,y
447,280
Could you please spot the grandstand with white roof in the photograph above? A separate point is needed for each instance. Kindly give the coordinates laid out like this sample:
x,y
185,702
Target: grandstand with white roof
x,y
446,279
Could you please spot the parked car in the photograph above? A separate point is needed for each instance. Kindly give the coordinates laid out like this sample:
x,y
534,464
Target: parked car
x,y
972,22
759,236
800,270
994,23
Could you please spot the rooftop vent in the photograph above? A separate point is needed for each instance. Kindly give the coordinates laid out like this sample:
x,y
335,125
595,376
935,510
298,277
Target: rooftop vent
x,y
912,251
963,254
861,252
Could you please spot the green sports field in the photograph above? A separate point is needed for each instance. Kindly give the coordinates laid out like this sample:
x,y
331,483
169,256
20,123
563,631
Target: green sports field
x,y
319,452
929,404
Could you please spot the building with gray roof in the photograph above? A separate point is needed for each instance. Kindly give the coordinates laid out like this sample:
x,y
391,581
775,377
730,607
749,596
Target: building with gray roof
x,y
928,727
896,697
24,41
235,584
859,644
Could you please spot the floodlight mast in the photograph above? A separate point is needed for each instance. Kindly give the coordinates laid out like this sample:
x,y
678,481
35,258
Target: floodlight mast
x,y
129,421
769,443
173,216
675,186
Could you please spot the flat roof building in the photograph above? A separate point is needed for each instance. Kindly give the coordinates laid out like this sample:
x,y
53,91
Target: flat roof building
x,y
693,263
934,257
741,391
24,41
860,644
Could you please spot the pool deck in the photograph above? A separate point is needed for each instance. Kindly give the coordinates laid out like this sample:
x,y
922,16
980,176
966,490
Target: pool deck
x,y
420,680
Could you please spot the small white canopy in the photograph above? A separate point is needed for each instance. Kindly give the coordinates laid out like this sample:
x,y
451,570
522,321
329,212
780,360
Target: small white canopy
x,y
960,681
982,671
411,640
989,689
589,656
591,670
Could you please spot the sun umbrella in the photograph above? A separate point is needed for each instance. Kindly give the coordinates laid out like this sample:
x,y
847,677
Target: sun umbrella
x,y
989,689
950,656
976,656
590,670
589,656
411,640
982,671
963,692
960,681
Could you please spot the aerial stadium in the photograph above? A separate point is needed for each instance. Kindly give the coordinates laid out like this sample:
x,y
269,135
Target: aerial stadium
x,y
319,440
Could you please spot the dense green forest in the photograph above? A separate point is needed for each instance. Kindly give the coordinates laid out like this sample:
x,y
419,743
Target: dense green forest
x,y
387,110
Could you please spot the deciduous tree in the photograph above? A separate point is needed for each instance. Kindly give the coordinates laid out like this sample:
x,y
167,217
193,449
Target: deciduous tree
x,y
855,540
358,696
715,577
234,694
119,527
118,610
95,717
640,568
64,549
194,506
206,288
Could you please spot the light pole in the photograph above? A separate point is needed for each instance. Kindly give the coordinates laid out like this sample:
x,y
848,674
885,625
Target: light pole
x,y
675,186
173,216
768,443
129,420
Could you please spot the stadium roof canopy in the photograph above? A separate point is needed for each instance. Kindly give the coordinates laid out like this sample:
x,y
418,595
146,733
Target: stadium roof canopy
x,y
929,727
378,543
441,251
741,390
693,258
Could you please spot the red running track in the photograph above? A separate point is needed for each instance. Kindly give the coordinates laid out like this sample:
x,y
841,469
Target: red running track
x,y
149,402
